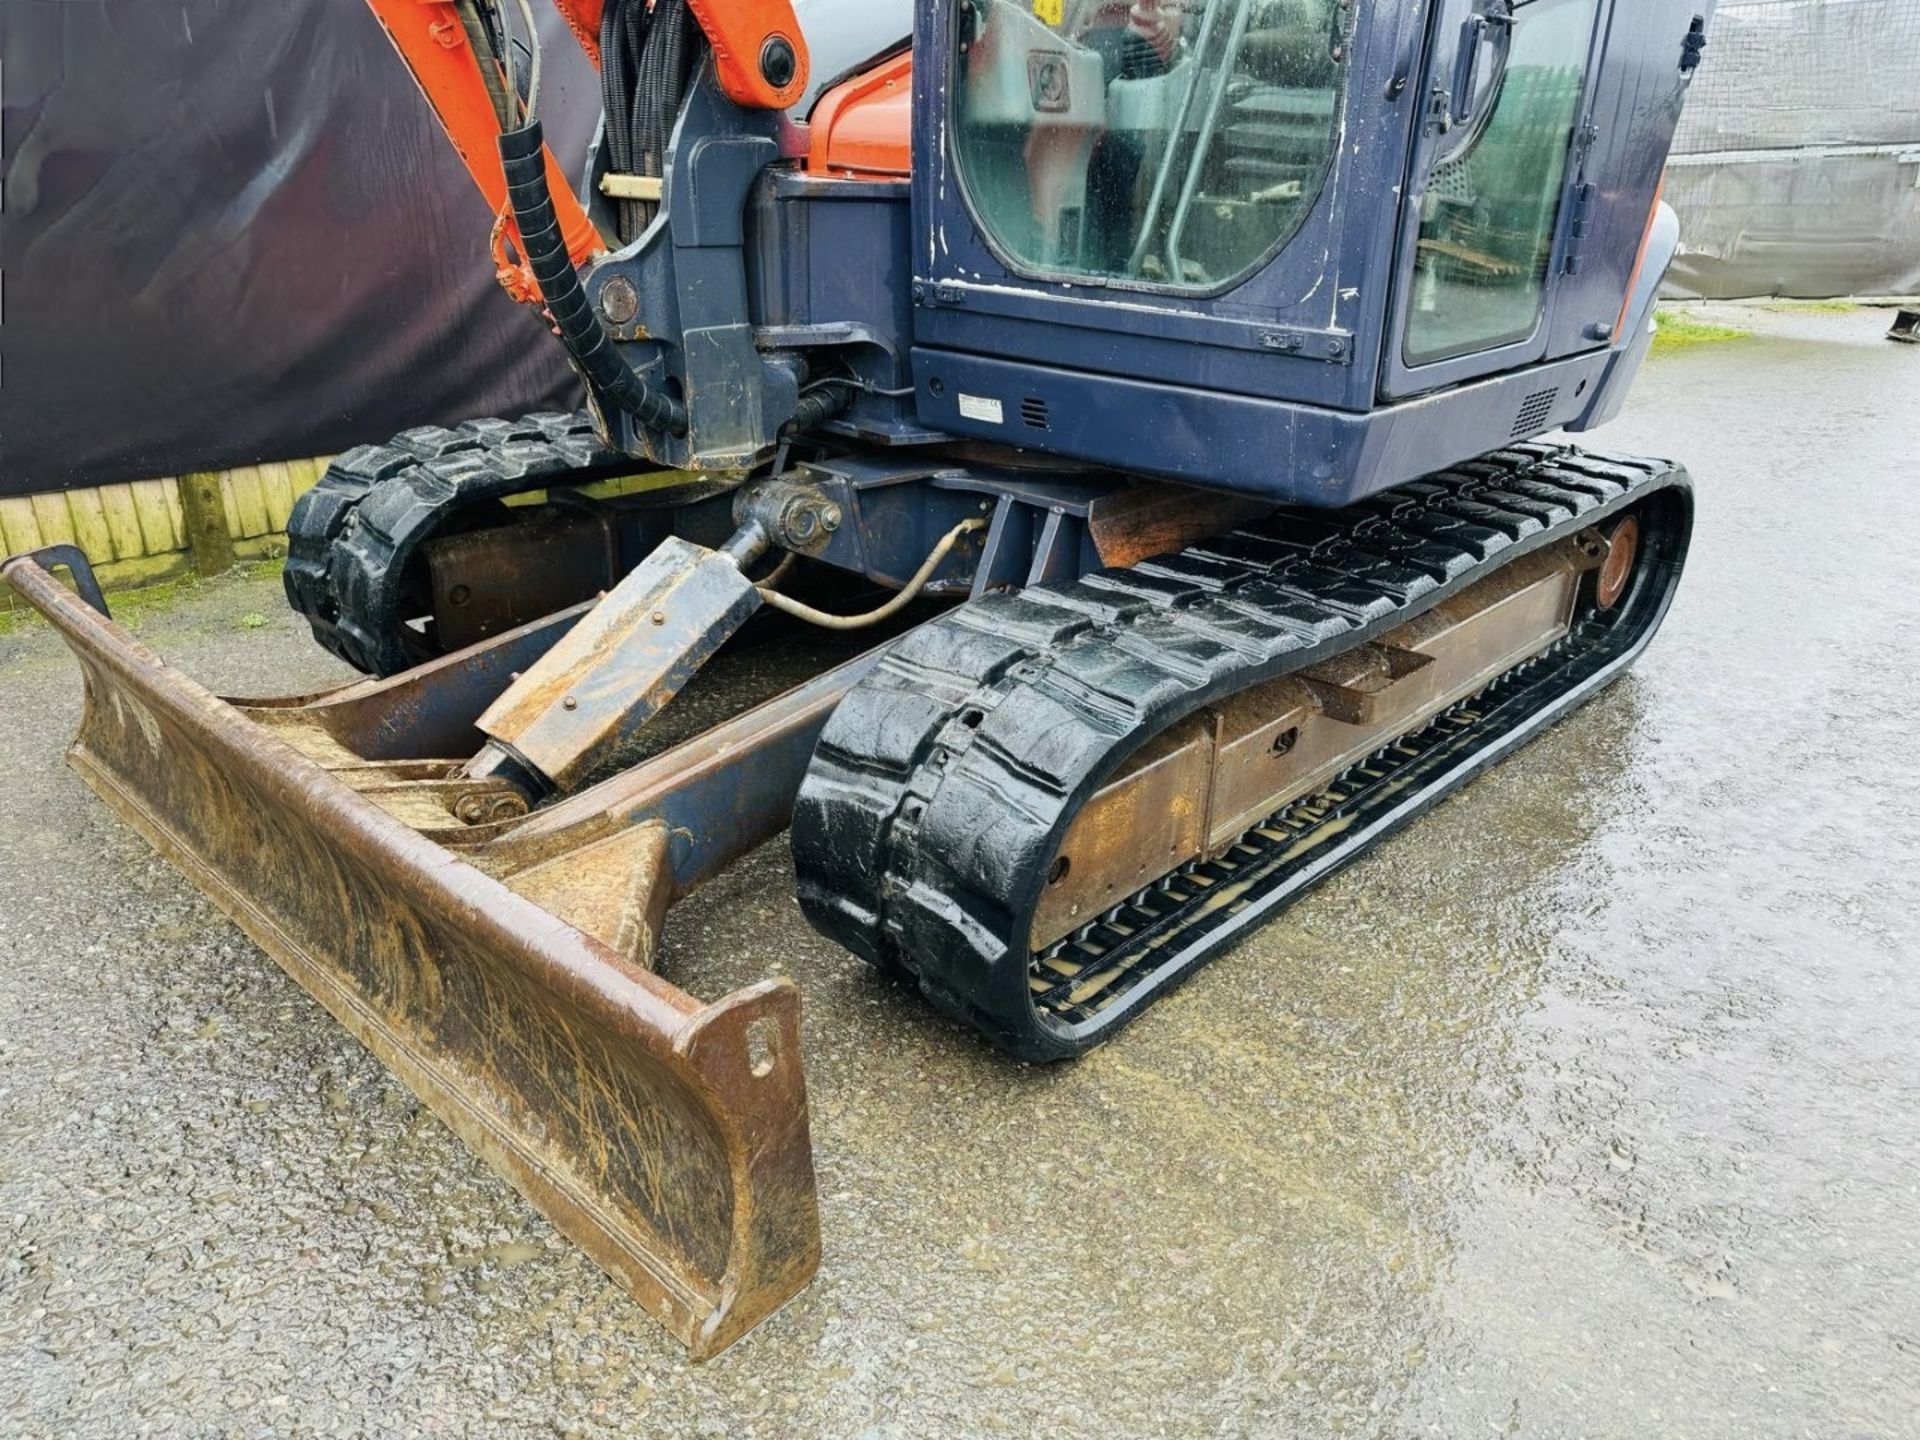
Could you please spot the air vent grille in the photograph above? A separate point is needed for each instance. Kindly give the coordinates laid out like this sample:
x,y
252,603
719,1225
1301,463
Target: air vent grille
x,y
1033,410
1534,411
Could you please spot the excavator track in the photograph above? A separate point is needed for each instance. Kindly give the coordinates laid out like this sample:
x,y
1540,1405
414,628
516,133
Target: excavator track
x,y
931,821
351,538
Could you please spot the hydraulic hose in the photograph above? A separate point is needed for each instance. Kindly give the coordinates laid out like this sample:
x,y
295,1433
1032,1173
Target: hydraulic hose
x,y
523,158
648,52
821,403
908,592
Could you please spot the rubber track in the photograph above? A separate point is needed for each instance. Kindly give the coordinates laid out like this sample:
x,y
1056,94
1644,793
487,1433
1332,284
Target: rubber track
x,y
943,784
351,537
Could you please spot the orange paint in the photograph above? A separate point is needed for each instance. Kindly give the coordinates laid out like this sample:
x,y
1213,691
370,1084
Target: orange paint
x,y
1639,262
863,127
583,19
740,32
431,40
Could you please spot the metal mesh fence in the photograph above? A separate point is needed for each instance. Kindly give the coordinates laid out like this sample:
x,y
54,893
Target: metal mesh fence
x,y
1786,74
1796,170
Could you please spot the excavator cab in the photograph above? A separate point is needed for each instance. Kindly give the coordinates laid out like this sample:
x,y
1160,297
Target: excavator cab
x,y
1136,402
1289,246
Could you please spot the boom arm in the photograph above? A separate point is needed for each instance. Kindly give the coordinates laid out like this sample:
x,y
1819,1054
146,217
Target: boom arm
x,y
757,46
431,38
760,59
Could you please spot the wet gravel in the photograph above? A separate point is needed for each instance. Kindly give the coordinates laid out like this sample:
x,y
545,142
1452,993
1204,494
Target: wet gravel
x,y
1588,1106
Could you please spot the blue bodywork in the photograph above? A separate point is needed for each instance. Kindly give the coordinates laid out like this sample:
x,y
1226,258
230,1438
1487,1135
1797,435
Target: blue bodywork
x,y
1292,383
1201,390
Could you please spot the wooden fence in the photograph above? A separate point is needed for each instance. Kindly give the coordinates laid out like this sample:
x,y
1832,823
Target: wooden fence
x,y
146,532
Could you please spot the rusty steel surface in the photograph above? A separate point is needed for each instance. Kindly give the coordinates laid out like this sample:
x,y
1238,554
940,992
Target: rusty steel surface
x,y
1623,548
668,1138
718,795
484,582
1192,791
428,712
631,654
1142,521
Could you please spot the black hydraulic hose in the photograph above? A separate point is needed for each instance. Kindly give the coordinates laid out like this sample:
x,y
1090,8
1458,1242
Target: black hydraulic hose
x,y
523,158
648,53
623,41
664,70
614,70
821,403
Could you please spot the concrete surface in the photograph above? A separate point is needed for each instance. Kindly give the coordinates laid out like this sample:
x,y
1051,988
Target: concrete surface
x,y
1590,1106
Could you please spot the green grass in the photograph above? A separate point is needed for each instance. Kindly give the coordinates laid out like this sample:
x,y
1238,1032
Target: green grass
x,y
130,607
1815,307
1679,331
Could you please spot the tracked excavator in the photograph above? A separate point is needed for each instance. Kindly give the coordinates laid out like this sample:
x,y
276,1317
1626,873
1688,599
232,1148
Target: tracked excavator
x,y
1121,421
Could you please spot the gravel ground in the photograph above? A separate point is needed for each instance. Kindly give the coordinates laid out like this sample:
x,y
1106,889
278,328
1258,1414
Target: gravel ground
x,y
1588,1106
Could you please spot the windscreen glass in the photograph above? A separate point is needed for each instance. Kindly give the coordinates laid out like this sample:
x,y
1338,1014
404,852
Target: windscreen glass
x,y
1165,143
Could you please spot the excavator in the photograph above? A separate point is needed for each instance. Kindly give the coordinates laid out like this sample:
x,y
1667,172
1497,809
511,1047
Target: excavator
x,y
1131,425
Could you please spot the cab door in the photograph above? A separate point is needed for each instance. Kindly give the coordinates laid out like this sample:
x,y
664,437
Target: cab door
x,y
1492,188
1653,51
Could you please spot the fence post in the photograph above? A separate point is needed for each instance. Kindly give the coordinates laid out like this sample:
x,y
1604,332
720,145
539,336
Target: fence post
x,y
208,541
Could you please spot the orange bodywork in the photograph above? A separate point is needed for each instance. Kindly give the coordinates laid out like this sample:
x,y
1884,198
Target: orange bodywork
x,y
740,32
583,19
863,127
1639,261
430,38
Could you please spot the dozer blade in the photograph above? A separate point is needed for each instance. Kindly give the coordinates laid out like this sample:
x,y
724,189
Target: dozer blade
x,y
668,1138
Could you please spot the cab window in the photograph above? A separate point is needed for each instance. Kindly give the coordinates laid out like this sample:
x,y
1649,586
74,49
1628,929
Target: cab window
x,y
1165,143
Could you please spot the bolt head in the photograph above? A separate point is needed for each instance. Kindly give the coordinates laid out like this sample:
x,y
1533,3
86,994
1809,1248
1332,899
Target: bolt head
x,y
619,301
569,703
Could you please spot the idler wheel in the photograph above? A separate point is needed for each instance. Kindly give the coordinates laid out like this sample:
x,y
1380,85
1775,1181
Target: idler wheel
x,y
1623,548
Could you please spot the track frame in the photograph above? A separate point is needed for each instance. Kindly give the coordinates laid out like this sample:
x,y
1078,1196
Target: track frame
x,y
945,784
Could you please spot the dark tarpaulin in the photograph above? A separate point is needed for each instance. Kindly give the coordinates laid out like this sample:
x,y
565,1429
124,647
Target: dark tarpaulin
x,y
233,232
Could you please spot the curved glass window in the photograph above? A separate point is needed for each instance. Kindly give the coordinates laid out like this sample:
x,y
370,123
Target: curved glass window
x,y
1167,143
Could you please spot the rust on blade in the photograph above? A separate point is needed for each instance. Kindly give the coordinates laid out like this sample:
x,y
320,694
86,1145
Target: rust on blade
x,y
668,1138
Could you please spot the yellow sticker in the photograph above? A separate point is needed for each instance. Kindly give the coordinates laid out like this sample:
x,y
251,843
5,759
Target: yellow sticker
x,y
1050,12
